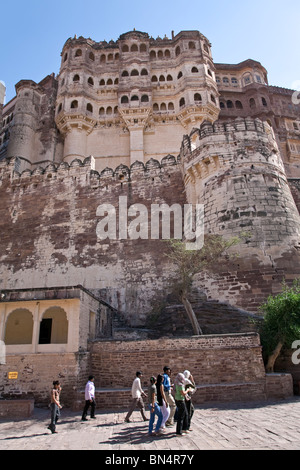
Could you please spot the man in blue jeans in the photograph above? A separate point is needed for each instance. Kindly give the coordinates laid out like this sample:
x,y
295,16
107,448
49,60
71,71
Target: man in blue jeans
x,y
168,393
154,409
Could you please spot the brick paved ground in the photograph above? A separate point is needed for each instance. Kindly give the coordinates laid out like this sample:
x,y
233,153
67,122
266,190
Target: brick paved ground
x,y
247,426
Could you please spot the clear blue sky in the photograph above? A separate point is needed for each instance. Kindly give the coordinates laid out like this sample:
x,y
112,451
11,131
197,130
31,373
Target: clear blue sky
x,y
33,32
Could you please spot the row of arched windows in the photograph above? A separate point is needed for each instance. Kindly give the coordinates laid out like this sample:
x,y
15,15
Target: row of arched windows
x,y
229,104
125,99
163,107
144,99
160,54
134,73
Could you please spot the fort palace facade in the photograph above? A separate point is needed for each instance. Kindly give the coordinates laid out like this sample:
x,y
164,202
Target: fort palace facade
x,y
155,121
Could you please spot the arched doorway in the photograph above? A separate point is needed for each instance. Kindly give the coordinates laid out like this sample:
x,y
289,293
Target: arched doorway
x,y
54,326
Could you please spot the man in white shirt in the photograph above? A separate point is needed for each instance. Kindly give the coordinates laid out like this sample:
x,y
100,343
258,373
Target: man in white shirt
x,y
89,398
137,401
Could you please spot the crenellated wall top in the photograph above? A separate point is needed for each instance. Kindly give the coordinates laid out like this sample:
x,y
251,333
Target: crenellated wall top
x,y
10,167
238,130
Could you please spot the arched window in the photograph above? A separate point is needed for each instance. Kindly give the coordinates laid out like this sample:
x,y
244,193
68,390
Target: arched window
x,y
182,102
195,70
209,73
116,81
264,102
89,107
101,111
125,73
238,105
143,48
125,48
197,97
163,107
109,82
167,53
19,327
134,73
169,78
213,99
152,55
102,82
74,104
144,72
162,78
134,48
134,98
92,56
179,75
252,103
222,105
110,57
177,51
145,99
155,107
117,56
59,108
192,45
116,109
171,107
109,110
90,81
229,104
154,78
65,57
124,99
78,53
102,58
160,54
76,78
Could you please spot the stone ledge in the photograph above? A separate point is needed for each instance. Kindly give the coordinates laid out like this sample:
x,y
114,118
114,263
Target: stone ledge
x,y
19,408
279,385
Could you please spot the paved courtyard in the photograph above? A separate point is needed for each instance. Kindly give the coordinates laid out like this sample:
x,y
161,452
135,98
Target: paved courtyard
x,y
246,426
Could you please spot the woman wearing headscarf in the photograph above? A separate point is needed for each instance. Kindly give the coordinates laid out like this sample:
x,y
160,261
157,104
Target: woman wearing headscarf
x,y
182,414
191,388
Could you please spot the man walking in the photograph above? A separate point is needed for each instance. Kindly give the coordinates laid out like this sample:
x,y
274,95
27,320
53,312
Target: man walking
x,y
168,394
137,400
89,399
55,406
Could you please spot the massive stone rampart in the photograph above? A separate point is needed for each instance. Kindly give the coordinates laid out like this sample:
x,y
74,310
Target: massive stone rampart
x,y
49,220
235,169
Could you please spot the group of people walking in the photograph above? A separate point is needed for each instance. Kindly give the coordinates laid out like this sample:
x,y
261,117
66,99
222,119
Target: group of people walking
x,y
161,402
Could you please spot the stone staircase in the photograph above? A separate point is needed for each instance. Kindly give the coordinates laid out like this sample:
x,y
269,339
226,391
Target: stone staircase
x,y
213,316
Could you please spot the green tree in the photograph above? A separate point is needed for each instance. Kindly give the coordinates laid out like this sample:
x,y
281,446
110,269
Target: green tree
x,y
281,324
188,263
